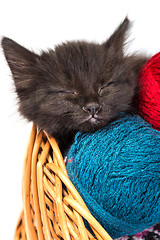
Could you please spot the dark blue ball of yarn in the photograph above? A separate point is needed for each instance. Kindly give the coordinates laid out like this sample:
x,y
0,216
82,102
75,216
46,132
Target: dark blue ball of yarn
x,y
117,172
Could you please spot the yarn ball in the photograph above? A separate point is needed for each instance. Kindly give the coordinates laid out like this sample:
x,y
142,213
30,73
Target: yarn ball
x,y
117,172
149,96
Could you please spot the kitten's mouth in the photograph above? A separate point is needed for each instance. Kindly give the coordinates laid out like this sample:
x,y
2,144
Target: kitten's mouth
x,y
92,119
91,123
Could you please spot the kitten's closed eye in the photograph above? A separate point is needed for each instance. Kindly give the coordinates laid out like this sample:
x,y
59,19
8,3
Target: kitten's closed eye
x,y
64,91
104,88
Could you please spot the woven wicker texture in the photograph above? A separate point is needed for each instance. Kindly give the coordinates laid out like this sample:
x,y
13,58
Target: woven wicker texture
x,y
53,209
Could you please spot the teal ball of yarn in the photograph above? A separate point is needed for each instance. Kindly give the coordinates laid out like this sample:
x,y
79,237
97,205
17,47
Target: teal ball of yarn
x,y
117,172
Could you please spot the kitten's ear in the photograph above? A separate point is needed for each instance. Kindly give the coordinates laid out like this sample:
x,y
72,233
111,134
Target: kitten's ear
x,y
21,61
115,44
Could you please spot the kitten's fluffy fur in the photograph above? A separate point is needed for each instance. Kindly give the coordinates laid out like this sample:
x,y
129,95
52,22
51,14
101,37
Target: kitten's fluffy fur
x,y
78,86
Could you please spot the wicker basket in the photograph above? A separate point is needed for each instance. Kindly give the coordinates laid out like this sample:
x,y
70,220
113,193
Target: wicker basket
x,y
53,209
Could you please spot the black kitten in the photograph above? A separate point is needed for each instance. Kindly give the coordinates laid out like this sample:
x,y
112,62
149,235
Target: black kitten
x,y
79,86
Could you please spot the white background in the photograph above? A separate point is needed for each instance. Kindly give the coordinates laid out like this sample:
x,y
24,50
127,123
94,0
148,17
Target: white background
x,y
42,24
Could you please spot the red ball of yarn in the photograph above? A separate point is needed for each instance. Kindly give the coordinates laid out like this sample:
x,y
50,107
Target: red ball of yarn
x,y
149,96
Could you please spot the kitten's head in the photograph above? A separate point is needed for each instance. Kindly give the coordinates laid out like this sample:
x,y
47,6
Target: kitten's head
x,y
76,86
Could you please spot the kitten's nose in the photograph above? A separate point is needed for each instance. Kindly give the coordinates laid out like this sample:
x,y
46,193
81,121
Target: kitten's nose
x,y
92,108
